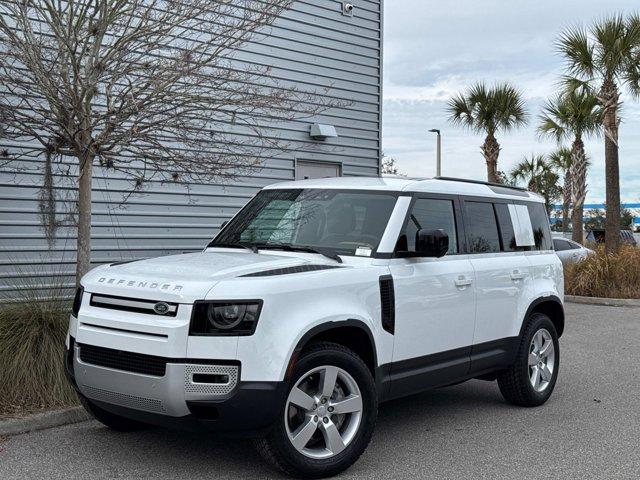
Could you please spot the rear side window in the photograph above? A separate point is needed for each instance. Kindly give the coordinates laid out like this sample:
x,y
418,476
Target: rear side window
x,y
540,225
482,228
429,214
560,245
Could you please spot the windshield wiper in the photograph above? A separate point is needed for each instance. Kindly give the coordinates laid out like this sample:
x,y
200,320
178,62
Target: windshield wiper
x,y
300,248
252,248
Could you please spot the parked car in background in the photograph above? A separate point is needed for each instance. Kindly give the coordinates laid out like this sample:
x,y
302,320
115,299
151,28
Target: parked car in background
x,y
569,251
597,236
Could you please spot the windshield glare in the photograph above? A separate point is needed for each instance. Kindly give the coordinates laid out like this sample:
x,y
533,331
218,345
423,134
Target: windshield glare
x,y
331,220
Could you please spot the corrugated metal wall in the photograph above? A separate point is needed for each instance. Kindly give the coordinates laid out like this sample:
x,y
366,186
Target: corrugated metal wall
x,y
312,46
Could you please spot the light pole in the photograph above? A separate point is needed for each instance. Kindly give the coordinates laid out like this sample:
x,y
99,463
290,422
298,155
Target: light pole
x,y
438,152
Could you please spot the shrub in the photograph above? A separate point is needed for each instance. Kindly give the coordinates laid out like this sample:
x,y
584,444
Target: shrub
x,y
614,275
32,336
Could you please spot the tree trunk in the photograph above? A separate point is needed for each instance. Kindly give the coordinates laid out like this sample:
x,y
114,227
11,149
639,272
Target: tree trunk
x,y
612,168
491,150
566,201
83,261
578,174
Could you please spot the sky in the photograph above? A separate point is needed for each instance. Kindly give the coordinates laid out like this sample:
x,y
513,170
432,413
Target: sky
x,y
434,49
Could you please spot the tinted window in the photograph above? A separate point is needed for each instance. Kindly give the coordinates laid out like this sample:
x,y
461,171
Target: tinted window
x,y
574,245
506,228
560,245
429,214
482,229
329,219
540,224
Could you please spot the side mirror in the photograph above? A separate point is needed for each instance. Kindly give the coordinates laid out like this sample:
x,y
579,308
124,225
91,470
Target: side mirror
x,y
431,243
224,224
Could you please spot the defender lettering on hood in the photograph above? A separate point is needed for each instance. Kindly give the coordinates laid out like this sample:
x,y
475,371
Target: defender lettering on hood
x,y
140,284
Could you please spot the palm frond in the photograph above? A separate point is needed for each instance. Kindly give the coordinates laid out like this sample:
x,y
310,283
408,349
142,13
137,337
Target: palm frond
x,y
569,84
529,168
611,44
560,159
509,106
488,109
574,45
631,74
460,111
571,114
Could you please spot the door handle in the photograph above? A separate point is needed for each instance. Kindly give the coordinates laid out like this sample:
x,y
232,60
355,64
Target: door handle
x,y
463,281
516,275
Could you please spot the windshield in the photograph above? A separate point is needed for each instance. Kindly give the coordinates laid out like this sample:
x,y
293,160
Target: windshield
x,y
343,222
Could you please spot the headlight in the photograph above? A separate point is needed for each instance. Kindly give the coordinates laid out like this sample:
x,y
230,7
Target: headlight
x,y
77,301
219,318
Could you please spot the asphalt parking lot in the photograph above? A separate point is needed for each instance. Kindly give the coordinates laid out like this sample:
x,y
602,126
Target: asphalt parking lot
x,y
590,428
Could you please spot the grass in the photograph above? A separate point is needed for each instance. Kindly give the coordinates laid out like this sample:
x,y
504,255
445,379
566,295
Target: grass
x,y
606,275
32,337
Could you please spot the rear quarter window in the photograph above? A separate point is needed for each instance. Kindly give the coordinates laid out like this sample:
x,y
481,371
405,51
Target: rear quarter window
x,y
540,225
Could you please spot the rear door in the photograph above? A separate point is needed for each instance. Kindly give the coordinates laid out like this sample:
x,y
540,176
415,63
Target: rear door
x,y
496,235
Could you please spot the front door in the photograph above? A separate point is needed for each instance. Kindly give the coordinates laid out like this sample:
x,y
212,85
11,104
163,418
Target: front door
x,y
435,303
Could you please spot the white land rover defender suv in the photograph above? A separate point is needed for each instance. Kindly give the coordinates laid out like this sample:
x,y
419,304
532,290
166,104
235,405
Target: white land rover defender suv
x,y
318,301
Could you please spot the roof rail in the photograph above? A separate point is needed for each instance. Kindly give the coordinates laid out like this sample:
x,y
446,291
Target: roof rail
x,y
480,182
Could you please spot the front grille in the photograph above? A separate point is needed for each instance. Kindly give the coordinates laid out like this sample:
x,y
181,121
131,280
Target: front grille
x,y
127,361
151,307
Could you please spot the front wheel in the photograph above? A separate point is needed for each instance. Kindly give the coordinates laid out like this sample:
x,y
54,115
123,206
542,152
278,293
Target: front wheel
x,y
530,381
328,417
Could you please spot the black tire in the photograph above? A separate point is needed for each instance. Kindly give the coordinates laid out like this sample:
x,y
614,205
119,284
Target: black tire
x,y
278,450
514,382
111,420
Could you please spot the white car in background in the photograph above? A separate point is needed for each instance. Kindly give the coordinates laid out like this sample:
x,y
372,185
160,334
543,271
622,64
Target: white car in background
x,y
569,251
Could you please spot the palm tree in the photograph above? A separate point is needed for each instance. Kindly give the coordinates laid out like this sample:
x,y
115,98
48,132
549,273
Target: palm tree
x,y
560,160
571,116
606,58
538,175
489,110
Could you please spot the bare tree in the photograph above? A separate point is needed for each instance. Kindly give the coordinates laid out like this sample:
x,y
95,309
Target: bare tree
x,y
148,88
389,166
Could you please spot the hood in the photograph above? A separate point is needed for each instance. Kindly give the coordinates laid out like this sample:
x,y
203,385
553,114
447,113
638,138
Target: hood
x,y
180,278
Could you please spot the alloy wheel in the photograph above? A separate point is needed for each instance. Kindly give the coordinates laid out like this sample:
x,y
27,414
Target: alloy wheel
x,y
542,360
323,412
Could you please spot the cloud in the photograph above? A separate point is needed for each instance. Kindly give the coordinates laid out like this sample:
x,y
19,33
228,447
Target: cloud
x,y
434,50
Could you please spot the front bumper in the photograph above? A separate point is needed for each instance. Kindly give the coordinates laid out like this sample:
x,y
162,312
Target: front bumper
x,y
175,400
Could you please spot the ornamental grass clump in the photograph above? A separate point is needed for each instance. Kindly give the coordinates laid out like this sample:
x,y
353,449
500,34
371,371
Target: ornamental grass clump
x,y
33,327
608,275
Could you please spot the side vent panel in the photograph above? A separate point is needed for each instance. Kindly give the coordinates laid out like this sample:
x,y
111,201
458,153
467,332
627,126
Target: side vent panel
x,y
388,304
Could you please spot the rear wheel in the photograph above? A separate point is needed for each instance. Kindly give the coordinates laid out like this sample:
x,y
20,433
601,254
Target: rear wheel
x,y
111,420
328,417
530,381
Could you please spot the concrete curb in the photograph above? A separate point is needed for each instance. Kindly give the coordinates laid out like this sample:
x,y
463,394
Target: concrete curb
x,y
609,302
40,421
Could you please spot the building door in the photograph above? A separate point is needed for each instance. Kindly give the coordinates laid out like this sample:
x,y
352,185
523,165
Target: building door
x,y
311,170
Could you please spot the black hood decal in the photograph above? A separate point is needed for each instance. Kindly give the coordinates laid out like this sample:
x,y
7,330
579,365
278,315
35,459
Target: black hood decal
x,y
290,270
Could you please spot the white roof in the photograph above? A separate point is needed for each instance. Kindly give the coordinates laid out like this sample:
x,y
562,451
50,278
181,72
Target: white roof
x,y
412,185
